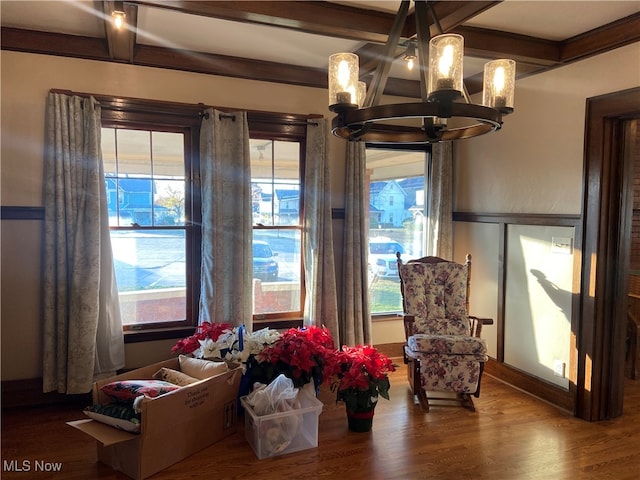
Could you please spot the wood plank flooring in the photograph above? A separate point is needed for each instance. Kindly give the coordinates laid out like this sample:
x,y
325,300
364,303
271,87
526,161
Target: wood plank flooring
x,y
512,436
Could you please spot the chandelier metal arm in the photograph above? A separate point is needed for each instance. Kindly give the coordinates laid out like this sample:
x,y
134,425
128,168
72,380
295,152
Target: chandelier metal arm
x,y
382,71
422,31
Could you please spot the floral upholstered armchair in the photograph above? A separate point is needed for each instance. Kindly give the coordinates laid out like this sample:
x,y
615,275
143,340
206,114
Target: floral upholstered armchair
x,y
444,351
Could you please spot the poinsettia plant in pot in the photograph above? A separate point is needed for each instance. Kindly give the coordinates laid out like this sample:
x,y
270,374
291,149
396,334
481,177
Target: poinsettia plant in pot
x,y
221,341
359,375
301,354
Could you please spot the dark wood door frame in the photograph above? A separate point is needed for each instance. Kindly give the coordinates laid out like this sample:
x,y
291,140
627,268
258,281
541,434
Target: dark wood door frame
x,y
605,254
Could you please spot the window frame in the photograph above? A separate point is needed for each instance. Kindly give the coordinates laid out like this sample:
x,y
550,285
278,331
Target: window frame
x,y
425,149
125,112
288,128
180,118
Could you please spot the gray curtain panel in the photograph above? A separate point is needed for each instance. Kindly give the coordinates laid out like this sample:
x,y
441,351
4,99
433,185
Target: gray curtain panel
x,y
440,195
227,237
321,304
82,324
355,320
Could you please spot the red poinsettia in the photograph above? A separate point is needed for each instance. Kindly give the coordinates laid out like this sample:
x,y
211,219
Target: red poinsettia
x,y
203,331
359,374
300,353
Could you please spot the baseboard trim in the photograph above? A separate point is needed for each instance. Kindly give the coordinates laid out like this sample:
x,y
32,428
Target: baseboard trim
x,y
394,351
534,386
28,393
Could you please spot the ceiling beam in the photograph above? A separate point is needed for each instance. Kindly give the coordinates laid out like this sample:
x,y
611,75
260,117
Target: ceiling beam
x,y
120,42
614,35
318,17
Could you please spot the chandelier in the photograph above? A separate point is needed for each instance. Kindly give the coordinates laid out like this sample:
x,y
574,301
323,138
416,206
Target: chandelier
x,y
445,111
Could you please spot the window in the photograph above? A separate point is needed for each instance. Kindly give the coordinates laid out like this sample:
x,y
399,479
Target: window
x,y
145,176
151,162
277,231
396,221
149,152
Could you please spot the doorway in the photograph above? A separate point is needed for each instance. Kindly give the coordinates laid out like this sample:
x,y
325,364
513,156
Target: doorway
x,y
605,253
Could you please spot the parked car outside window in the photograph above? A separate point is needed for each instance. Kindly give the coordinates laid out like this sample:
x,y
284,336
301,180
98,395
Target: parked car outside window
x,y
382,257
264,265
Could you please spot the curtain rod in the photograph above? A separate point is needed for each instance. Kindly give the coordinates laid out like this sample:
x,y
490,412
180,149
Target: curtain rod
x,y
200,107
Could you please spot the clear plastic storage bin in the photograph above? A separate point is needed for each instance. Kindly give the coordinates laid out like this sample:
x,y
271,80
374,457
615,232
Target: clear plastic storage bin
x,y
285,432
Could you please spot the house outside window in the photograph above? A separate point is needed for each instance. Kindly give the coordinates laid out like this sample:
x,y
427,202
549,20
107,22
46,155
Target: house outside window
x,y
396,221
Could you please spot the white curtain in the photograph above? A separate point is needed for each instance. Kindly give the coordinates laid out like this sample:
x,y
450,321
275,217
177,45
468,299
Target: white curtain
x,y
82,324
355,320
227,236
321,304
440,194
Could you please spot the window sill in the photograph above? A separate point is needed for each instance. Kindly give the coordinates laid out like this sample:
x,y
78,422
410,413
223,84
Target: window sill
x,y
384,317
136,336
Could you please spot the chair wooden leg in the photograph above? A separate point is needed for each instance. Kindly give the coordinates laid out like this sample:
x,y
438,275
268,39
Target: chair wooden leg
x,y
466,401
413,376
422,398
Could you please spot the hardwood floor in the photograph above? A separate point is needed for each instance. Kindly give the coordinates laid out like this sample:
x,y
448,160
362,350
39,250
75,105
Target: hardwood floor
x,y
512,436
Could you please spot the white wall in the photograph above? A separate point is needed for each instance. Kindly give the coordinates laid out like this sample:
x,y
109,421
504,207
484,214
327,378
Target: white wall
x,y
534,165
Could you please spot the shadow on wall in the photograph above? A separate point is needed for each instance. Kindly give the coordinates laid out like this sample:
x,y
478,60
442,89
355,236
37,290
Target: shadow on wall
x,y
561,298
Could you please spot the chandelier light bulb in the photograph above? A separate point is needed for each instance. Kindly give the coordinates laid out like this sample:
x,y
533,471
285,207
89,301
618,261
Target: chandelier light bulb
x,y
446,61
118,19
498,80
410,64
343,74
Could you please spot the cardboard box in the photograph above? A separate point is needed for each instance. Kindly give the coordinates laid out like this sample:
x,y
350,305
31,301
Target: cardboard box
x,y
173,426
264,433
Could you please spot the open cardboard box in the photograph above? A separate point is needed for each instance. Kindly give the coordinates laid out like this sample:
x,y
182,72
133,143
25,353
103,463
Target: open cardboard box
x,y
173,426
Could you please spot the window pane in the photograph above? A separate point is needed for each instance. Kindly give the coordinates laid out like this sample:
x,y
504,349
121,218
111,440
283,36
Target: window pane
x,y
168,154
136,200
134,151
276,271
169,202
275,172
396,222
150,272
109,150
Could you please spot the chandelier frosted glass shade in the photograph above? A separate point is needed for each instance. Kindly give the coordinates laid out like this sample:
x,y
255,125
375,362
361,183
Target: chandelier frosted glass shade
x,y
343,79
499,85
445,64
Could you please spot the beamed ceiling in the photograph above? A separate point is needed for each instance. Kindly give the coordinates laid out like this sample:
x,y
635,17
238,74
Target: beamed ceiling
x,y
289,41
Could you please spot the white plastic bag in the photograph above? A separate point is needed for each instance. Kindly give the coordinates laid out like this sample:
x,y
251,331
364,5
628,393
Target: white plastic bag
x,y
277,397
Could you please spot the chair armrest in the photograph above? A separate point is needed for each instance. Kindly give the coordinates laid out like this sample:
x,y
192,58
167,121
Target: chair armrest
x,y
408,321
483,321
477,323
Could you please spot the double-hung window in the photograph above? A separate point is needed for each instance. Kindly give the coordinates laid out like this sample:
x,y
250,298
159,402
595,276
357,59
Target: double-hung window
x,y
277,160
150,160
396,221
151,165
